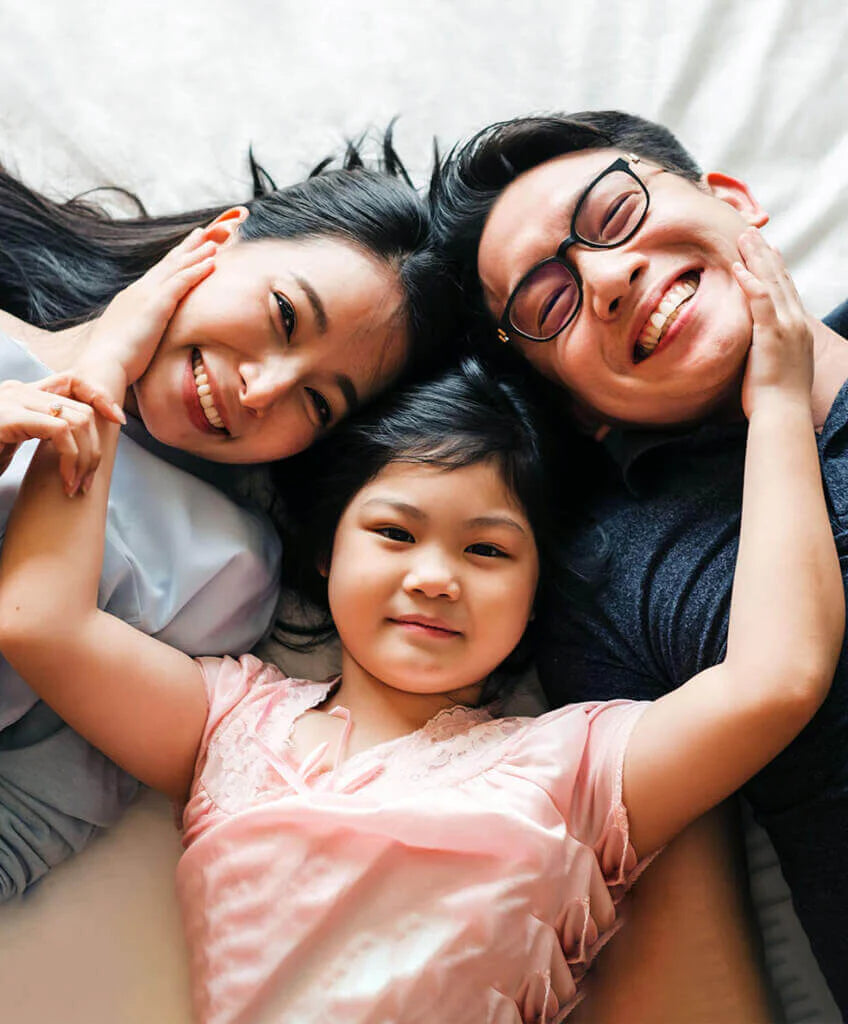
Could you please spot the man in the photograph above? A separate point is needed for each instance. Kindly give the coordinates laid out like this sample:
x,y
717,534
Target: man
x,y
600,252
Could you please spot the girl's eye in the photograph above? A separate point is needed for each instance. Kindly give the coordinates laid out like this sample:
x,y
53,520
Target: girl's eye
x,y
321,406
486,550
287,313
396,533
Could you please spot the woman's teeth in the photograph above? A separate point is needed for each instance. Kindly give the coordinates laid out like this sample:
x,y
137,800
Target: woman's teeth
x,y
664,315
204,393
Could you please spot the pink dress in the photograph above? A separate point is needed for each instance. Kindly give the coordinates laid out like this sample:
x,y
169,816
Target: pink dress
x,y
446,876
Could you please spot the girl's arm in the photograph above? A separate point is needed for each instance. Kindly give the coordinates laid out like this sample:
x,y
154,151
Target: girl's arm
x,y
698,744
137,699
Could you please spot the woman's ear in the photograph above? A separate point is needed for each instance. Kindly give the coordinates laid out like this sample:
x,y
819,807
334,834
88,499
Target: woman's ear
x,y
323,566
224,228
736,194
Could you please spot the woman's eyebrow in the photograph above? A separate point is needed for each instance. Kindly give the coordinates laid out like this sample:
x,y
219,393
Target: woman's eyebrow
x,y
316,304
346,386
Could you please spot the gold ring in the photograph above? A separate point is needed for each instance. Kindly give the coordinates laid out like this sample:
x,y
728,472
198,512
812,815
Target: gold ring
x,y
56,409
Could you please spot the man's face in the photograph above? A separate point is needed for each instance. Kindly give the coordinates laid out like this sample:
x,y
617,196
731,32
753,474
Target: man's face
x,y
690,233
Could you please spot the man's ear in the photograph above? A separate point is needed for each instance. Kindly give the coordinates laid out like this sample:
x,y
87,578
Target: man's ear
x,y
736,194
224,228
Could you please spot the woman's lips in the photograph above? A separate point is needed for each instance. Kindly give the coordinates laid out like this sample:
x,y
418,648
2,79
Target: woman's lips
x,y
193,408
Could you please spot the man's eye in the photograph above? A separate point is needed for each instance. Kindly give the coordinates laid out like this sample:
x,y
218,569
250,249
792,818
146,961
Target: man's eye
x,y
287,313
486,550
396,533
321,406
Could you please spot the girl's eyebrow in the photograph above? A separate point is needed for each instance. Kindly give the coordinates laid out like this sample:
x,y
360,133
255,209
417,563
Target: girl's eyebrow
x,y
401,506
417,513
507,521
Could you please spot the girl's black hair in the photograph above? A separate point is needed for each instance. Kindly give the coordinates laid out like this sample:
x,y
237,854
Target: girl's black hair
x,y
464,417
62,262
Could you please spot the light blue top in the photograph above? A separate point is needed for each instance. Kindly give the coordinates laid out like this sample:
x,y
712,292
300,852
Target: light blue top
x,y
182,560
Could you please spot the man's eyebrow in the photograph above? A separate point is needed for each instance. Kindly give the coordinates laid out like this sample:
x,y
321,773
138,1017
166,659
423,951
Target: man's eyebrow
x,y
315,303
507,521
400,506
345,385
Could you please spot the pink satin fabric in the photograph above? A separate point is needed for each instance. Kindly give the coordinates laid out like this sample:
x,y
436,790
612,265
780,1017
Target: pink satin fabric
x,y
456,874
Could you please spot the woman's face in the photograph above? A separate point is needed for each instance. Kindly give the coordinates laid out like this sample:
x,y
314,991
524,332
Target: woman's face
x,y
282,340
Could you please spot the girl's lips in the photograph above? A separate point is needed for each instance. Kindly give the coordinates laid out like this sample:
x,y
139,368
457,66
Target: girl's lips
x,y
193,408
426,629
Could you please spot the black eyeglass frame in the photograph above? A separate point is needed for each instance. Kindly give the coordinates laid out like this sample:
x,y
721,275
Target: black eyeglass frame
x,y
505,328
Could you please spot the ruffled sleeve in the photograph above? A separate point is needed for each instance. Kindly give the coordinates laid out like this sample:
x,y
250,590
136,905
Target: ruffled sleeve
x,y
577,754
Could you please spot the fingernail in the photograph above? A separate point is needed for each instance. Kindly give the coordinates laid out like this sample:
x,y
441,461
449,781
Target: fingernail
x,y
119,412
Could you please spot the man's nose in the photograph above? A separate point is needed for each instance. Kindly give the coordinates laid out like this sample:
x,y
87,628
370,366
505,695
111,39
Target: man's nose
x,y
432,575
608,277
265,382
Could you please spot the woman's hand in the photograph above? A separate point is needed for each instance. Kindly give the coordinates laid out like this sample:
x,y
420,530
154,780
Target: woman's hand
x,y
120,344
780,362
60,409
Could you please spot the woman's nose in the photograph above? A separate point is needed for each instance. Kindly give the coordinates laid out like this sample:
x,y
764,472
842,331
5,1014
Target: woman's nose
x,y
265,383
433,577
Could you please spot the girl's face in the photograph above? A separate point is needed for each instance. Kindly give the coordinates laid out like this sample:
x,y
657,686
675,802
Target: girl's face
x,y
280,342
432,577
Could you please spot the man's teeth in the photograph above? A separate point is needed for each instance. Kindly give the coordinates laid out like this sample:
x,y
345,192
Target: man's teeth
x,y
664,315
204,393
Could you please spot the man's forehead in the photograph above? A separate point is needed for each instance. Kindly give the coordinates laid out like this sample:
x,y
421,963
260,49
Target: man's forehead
x,y
532,215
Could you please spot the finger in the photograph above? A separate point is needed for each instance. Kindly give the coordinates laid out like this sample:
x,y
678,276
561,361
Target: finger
x,y
98,399
66,385
84,428
44,427
767,263
756,291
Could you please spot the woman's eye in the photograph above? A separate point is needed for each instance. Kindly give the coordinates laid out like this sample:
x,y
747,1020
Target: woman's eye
x,y
396,533
287,313
486,550
321,406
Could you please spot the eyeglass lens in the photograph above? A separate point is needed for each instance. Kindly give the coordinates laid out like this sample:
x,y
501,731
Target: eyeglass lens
x,y
548,298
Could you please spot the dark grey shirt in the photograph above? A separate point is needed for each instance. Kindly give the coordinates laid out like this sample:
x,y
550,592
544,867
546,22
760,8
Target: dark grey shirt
x,y
660,617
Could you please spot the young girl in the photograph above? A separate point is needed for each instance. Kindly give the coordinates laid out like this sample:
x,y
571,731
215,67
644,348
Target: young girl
x,y
382,846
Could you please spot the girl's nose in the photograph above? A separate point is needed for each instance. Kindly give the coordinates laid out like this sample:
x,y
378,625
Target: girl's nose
x,y
432,577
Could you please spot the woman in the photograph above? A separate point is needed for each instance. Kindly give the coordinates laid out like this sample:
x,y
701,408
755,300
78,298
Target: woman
x,y
317,302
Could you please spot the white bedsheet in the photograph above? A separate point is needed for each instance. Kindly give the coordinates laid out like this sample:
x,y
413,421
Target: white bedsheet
x,y
165,98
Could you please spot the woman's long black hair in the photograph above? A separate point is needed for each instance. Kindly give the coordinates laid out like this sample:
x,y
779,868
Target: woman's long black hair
x,y
62,262
466,416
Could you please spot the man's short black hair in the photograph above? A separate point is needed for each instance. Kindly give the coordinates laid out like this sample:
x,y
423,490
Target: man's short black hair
x,y
467,182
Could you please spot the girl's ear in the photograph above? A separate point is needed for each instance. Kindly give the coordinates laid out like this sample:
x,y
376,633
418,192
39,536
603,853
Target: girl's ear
x,y
323,566
224,228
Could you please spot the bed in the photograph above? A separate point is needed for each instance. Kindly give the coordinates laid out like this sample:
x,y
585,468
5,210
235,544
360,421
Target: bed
x,y
166,98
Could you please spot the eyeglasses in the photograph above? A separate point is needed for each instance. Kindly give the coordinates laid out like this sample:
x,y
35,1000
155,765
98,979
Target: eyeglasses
x,y
608,213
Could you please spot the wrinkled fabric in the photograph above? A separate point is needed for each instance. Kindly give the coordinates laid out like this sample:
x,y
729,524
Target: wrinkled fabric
x,y
461,873
182,562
